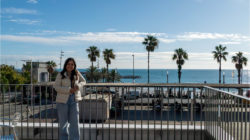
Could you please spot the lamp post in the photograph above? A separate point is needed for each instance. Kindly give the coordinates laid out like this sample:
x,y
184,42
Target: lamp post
x,y
61,55
133,68
31,86
223,77
30,69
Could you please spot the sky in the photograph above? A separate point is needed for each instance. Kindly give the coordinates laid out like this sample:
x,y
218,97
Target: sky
x,y
39,30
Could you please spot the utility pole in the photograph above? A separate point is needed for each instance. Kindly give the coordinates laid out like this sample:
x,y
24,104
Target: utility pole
x,y
98,63
61,55
133,68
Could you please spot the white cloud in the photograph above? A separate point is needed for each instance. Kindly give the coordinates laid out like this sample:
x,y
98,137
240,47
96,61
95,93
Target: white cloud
x,y
230,43
71,37
13,10
32,1
198,36
61,37
25,21
32,39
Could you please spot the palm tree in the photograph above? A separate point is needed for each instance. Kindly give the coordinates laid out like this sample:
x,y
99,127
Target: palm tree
x,y
220,54
93,73
180,55
93,52
239,61
151,44
50,67
103,74
108,55
114,76
26,67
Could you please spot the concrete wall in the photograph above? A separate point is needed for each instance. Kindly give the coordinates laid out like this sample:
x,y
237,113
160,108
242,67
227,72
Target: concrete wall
x,y
112,134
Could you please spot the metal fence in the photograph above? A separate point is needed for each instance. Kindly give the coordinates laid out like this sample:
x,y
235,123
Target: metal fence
x,y
132,111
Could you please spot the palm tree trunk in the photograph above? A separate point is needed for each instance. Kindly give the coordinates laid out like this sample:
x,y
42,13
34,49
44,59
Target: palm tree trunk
x,y
107,76
92,76
239,76
220,73
50,75
179,74
148,67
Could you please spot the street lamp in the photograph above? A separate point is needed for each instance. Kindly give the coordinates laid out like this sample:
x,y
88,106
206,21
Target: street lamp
x,y
30,69
133,69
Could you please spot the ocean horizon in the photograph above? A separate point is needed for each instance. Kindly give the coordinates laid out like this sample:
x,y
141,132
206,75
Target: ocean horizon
x,y
188,75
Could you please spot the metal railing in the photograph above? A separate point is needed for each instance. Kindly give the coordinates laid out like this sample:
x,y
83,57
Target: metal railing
x,y
227,115
133,111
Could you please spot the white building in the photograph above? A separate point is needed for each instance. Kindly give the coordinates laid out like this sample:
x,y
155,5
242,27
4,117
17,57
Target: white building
x,y
40,72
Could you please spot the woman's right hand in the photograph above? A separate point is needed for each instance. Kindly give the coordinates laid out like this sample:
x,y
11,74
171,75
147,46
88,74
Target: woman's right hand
x,y
72,90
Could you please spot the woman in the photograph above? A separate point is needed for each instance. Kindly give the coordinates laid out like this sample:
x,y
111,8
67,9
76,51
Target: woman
x,y
68,84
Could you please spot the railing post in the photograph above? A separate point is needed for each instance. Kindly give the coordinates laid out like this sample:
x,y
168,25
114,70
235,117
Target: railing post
x,y
192,108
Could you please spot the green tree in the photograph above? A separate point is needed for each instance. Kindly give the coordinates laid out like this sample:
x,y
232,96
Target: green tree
x,y
51,68
103,74
219,54
93,73
151,44
239,61
114,76
26,72
26,67
180,56
108,55
8,75
93,53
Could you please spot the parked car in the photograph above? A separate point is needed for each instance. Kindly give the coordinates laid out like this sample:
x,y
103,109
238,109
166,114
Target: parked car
x,y
31,99
16,98
131,95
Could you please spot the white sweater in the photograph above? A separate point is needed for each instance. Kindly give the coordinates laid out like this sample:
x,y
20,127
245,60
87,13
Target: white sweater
x,y
63,86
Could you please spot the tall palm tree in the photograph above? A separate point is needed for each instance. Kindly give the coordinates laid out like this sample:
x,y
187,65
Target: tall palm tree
x,y
151,44
239,61
108,55
93,52
219,54
50,67
180,56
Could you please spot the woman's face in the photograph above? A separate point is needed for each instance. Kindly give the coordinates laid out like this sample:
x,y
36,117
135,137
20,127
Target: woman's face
x,y
70,66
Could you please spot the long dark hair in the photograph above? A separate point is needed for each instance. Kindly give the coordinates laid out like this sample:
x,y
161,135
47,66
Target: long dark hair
x,y
73,72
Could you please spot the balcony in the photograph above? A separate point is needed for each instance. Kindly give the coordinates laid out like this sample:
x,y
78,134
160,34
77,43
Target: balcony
x,y
133,111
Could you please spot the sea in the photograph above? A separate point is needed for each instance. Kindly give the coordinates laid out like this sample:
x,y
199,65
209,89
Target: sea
x,y
187,76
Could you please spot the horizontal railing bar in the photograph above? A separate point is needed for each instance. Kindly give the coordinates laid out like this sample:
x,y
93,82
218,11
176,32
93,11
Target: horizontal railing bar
x,y
112,126
198,85
235,95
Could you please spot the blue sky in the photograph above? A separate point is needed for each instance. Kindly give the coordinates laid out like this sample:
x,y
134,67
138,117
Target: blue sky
x,y
40,29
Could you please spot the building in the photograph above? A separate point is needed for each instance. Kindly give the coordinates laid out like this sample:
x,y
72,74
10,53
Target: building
x,y
40,72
